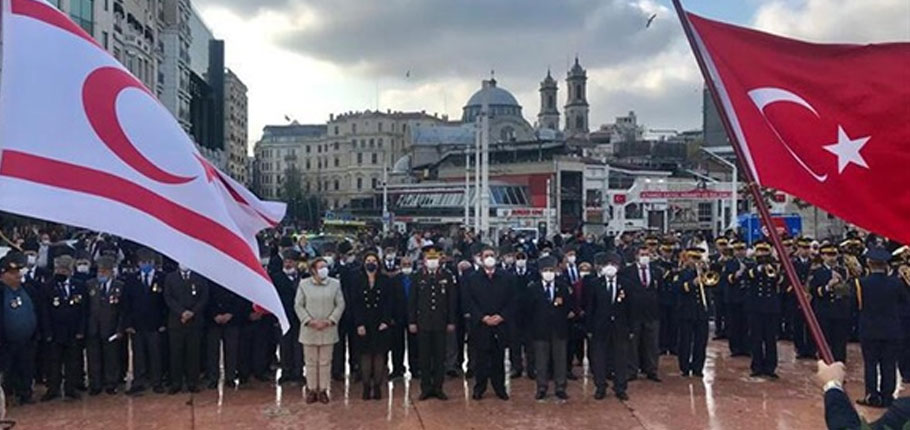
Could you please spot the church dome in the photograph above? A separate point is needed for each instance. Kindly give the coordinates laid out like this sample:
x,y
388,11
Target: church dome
x,y
499,101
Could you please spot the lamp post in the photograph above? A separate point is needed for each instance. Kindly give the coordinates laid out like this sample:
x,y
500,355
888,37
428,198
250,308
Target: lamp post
x,y
734,210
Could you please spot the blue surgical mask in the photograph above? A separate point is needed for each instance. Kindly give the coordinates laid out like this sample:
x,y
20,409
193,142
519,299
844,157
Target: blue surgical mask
x,y
103,279
146,267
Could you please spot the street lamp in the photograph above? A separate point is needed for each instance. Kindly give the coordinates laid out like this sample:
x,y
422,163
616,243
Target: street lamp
x,y
734,210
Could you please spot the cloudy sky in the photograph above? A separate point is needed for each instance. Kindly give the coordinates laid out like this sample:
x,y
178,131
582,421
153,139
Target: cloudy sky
x,y
308,58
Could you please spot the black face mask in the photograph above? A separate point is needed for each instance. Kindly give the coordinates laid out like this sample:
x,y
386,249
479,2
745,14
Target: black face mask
x,y
371,267
764,260
60,277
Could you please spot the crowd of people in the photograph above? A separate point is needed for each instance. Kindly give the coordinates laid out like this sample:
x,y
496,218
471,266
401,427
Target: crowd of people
x,y
441,304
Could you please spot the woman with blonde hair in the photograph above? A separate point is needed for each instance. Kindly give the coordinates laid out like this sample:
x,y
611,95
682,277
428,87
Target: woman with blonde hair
x,y
319,304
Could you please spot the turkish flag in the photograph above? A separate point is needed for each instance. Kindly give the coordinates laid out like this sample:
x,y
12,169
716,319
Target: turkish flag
x,y
83,142
828,123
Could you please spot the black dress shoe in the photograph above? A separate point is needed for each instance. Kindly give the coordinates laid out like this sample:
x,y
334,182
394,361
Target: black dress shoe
x,y
367,393
377,392
572,376
174,390
632,378
684,373
158,389
424,396
452,373
502,395
136,389
622,396
540,395
193,389
532,375
50,395
396,375
561,395
654,378
477,395
72,395
230,385
698,374
755,374
94,392
772,375
441,395
469,374
600,394
111,391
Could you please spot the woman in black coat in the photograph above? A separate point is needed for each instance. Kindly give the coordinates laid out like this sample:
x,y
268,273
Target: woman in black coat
x,y
372,313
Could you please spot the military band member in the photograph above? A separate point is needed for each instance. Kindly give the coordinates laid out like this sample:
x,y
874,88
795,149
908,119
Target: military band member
x,y
607,320
186,295
788,301
551,308
432,313
802,263
669,330
105,328
144,312
19,328
763,306
693,308
65,313
716,264
879,298
735,273
833,301
490,301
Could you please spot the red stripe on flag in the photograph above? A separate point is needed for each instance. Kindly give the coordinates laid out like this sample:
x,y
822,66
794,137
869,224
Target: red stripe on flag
x,y
72,177
51,16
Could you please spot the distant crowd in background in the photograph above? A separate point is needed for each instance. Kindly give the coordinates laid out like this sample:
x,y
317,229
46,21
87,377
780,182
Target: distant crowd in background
x,y
89,312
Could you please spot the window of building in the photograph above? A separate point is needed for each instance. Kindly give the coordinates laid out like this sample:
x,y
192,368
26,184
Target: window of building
x,y
81,11
550,101
308,164
336,161
359,183
363,143
380,143
353,128
579,122
375,183
319,149
336,185
336,146
372,143
375,157
104,36
380,127
336,130
308,149
705,211
326,185
359,158
578,91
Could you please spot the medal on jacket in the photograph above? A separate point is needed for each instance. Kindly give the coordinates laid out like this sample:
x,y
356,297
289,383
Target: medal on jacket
x,y
193,289
557,301
155,288
56,301
443,285
76,299
15,303
114,299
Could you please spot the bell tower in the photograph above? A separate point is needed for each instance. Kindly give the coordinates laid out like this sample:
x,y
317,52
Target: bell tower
x,y
549,114
577,101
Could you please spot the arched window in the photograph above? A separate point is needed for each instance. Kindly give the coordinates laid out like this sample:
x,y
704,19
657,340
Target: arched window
x,y
507,134
550,101
578,93
579,122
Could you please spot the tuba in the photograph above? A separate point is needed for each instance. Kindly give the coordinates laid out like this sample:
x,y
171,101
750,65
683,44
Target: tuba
x,y
853,266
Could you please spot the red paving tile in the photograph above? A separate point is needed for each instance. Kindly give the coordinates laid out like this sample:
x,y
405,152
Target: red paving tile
x,y
725,399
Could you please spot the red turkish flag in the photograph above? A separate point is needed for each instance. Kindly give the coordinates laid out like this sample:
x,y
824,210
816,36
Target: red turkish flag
x,y
828,123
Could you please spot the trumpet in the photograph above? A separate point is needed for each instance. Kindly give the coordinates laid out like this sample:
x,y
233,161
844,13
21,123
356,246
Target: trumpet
x,y
770,270
708,278
853,266
903,271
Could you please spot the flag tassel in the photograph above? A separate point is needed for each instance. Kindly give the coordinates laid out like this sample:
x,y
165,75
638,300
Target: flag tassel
x,y
808,315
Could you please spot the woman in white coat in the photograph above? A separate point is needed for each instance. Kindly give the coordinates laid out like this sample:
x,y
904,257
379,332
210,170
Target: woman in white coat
x,y
319,304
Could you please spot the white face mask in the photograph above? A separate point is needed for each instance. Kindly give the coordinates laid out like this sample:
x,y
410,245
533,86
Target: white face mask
x,y
32,260
82,268
489,262
571,259
583,274
432,264
548,276
329,260
407,270
322,272
478,261
609,271
521,263
290,271
184,268
390,257
544,254
644,260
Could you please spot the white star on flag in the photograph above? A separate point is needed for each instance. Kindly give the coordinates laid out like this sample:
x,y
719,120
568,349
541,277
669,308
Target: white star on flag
x,y
847,150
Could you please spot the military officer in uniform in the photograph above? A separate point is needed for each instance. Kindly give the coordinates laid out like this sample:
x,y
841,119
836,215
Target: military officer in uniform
x,y
716,263
669,330
693,307
105,328
432,313
763,306
879,298
144,311
64,322
734,273
802,263
832,301
186,295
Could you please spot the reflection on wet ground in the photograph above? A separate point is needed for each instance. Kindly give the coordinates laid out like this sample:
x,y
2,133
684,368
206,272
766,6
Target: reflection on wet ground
x,y
726,398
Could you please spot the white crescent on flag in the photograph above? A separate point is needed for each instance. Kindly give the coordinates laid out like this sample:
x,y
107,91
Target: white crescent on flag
x,y
83,142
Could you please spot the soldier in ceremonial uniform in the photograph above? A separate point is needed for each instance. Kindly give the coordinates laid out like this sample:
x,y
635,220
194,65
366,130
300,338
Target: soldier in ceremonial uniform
x,y
224,316
607,319
879,298
667,295
63,327
901,257
432,313
551,308
802,263
694,305
105,328
787,300
734,273
186,295
716,264
144,311
19,328
833,301
763,306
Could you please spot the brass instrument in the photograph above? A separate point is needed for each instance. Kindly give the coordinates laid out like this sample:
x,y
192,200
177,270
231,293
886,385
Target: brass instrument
x,y
711,278
770,270
841,287
700,280
903,271
853,266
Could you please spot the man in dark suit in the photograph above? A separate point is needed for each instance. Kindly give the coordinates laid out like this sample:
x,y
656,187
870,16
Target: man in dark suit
x,y
224,316
63,327
186,295
879,298
521,353
839,412
347,271
286,281
667,295
490,300
607,320
402,284
641,282
105,328
550,308
143,316
19,328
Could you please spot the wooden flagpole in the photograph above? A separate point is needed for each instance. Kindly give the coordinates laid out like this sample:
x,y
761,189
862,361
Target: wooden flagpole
x,y
811,321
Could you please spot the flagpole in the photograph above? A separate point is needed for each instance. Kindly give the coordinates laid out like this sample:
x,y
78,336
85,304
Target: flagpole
x,y
811,321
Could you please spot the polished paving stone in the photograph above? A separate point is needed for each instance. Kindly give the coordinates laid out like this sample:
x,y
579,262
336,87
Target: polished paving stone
x,y
726,398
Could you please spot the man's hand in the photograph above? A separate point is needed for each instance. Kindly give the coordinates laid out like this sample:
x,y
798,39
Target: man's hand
x,y
412,328
383,326
255,316
361,331
837,371
571,315
450,328
80,336
162,329
497,320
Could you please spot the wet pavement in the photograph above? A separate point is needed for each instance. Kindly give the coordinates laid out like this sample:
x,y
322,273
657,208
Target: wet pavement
x,y
726,398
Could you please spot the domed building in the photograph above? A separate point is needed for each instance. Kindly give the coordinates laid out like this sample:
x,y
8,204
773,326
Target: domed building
x,y
506,122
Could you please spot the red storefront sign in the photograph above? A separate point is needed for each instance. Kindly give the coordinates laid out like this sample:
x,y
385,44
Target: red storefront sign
x,y
619,199
685,195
